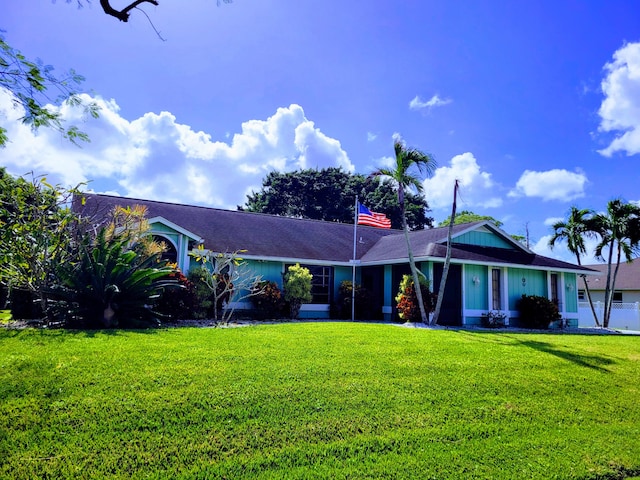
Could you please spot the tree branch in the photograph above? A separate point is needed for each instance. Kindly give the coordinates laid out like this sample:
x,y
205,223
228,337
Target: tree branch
x,y
123,15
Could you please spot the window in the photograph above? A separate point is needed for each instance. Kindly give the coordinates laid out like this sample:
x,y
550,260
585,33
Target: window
x,y
496,297
617,297
554,289
581,296
170,254
321,283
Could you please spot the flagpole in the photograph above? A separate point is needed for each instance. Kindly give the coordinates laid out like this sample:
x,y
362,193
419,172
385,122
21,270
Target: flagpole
x,y
353,265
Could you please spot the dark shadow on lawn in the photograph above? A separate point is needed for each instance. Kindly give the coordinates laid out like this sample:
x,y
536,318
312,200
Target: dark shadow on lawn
x,y
594,362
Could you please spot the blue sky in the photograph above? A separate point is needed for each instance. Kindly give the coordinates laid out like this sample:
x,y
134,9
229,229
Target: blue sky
x,y
534,106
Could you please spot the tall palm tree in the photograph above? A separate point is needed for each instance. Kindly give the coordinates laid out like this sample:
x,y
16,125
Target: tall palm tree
x,y
402,174
574,230
619,229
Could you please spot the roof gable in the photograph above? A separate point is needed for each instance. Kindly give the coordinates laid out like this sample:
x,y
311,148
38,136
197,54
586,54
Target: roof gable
x,y
262,236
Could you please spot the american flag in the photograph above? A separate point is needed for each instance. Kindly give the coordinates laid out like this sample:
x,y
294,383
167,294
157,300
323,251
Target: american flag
x,y
372,219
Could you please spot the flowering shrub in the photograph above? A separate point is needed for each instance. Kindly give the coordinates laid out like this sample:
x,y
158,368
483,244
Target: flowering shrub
x,y
537,312
407,301
179,303
267,299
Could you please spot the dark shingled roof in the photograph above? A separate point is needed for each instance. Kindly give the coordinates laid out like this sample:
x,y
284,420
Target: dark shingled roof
x,y
270,236
266,236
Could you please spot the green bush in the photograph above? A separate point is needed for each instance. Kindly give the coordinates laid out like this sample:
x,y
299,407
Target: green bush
x,y
297,288
204,298
536,312
267,300
365,308
407,301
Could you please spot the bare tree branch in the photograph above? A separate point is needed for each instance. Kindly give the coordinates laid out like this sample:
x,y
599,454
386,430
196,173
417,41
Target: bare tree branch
x,y
123,15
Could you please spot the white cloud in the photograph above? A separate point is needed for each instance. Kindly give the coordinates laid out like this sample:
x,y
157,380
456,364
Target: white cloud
x,y
477,188
371,136
418,104
561,252
549,222
620,109
557,184
156,157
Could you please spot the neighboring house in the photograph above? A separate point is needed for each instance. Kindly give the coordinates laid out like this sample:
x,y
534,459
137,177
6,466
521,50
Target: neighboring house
x,y
489,270
625,311
627,287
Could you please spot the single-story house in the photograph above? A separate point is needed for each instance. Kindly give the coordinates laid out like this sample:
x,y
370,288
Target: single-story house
x,y
489,271
625,311
627,287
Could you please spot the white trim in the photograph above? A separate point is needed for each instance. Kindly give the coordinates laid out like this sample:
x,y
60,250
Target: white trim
x,y
476,262
177,228
315,307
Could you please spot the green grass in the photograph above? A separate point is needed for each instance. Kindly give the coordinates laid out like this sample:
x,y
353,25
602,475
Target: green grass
x,y
5,316
318,400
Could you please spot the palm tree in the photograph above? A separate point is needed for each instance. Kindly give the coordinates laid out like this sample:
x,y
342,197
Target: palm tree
x,y
407,160
619,229
574,230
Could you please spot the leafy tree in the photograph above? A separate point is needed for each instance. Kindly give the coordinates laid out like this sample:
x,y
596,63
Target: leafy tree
x,y
35,233
619,231
466,216
30,84
406,160
574,230
229,279
329,194
297,287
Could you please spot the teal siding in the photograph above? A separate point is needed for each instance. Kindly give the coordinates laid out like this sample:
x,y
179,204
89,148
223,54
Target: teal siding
x,y
483,239
571,292
341,274
271,271
476,294
535,284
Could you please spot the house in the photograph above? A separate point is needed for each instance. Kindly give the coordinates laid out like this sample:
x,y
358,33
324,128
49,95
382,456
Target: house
x,y
489,270
627,287
625,310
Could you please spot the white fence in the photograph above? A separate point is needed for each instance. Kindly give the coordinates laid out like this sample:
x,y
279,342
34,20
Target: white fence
x,y
624,316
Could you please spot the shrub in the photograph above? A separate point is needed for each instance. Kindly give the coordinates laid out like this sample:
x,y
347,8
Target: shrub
x,y
297,288
110,285
537,312
179,303
204,298
494,319
407,301
267,299
364,302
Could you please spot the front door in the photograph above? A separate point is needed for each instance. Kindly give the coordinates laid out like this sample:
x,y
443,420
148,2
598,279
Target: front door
x,y
451,310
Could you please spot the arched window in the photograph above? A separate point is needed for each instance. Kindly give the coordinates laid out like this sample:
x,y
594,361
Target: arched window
x,y
171,253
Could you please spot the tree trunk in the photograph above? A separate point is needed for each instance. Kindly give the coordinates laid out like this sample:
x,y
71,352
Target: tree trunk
x,y
586,288
593,309
607,292
412,263
447,261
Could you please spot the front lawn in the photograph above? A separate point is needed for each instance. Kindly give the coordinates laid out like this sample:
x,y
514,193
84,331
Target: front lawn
x,y
318,400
